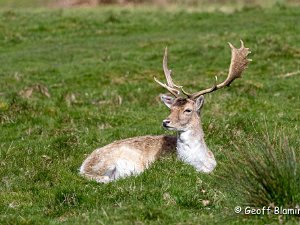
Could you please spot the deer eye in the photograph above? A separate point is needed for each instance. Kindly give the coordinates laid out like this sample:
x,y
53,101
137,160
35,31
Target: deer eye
x,y
187,111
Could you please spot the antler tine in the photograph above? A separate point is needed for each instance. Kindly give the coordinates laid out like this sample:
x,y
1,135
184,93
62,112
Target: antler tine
x,y
173,91
167,71
170,86
238,64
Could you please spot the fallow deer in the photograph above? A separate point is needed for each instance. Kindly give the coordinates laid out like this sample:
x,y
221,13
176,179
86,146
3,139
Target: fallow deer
x,y
133,155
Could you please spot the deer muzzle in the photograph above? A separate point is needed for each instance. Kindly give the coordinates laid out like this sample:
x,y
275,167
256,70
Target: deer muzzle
x,y
166,123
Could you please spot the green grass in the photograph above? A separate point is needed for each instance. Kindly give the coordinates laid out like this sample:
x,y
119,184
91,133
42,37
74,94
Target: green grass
x,y
23,3
98,65
271,172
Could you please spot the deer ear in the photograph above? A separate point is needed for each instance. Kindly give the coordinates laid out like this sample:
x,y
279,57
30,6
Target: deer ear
x,y
199,103
168,100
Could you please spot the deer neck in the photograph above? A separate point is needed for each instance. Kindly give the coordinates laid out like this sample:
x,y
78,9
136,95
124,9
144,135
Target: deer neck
x,y
192,149
191,140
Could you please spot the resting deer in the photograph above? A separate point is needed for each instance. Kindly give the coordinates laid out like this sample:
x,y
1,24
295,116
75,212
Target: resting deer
x,y
132,156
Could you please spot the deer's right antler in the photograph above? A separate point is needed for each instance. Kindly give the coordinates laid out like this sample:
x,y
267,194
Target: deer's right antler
x,y
170,86
239,62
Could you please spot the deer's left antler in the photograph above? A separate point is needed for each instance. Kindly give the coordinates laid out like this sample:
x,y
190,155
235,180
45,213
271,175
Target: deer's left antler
x,y
239,63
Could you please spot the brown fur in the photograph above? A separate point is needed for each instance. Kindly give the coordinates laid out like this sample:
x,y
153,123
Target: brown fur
x,y
180,102
140,150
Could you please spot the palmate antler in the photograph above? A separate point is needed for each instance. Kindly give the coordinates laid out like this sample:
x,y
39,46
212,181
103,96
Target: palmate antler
x,y
238,64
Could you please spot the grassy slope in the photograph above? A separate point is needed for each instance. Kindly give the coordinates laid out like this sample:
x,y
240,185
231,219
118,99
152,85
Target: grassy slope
x,y
23,3
104,55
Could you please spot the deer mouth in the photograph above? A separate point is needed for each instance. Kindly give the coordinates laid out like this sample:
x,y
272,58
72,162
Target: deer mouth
x,y
169,127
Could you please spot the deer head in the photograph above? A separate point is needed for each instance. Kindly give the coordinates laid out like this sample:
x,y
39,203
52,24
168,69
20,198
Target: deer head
x,y
184,113
185,110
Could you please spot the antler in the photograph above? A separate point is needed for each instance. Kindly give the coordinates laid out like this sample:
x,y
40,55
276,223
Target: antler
x,y
238,64
170,86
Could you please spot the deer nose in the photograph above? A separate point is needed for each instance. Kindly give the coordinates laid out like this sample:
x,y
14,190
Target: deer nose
x,y
166,123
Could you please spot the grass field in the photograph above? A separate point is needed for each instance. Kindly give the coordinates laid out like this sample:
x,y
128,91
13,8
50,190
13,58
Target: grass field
x,y
74,80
